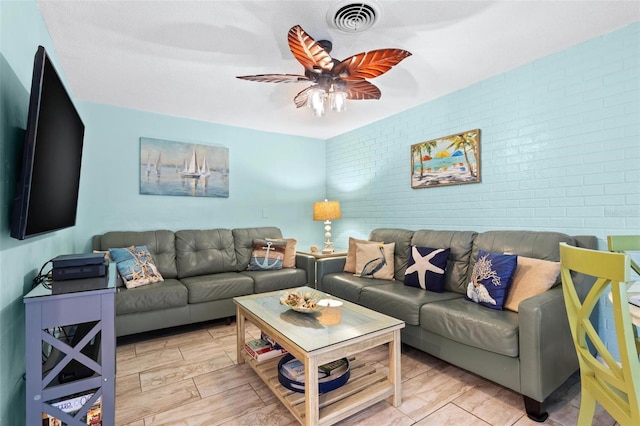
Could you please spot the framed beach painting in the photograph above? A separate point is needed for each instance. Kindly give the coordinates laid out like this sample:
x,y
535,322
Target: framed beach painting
x,y
451,160
186,169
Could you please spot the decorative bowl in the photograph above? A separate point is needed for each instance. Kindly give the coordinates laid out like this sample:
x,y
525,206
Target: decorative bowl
x,y
301,301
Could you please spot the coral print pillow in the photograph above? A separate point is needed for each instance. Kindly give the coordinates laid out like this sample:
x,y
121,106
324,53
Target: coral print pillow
x,y
135,265
491,278
426,268
267,255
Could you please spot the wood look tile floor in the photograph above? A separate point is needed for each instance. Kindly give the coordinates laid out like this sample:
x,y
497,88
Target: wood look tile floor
x,y
189,376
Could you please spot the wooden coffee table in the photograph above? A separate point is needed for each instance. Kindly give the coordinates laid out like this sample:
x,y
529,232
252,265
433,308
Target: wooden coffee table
x,y
314,344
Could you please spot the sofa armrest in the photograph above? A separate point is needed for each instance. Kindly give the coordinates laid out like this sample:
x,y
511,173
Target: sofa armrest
x,y
547,354
306,262
329,265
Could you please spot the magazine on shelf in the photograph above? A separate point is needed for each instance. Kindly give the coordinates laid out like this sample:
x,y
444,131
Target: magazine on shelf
x,y
294,370
269,340
263,354
72,405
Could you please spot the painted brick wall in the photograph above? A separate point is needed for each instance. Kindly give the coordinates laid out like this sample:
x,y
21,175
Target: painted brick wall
x,y
560,150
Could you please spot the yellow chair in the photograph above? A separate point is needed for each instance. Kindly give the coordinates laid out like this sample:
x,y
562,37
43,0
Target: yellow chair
x,y
615,385
623,243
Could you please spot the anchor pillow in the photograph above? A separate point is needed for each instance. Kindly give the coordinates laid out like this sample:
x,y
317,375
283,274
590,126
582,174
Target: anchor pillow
x,y
267,255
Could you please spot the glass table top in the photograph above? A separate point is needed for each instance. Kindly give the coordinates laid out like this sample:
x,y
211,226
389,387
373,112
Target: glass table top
x,y
306,329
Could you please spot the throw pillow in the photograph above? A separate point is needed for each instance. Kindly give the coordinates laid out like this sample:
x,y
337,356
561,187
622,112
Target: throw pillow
x,y
267,255
289,260
426,267
532,276
350,262
135,265
375,260
491,278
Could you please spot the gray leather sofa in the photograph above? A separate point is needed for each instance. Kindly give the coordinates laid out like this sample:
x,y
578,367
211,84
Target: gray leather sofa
x,y
529,351
203,271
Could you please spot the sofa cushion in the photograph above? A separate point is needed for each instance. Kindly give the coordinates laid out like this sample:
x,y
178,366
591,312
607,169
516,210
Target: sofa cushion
x,y
350,262
491,279
347,286
375,261
402,240
473,325
161,245
135,266
219,286
533,276
203,252
401,301
267,255
426,268
460,244
153,297
264,281
243,242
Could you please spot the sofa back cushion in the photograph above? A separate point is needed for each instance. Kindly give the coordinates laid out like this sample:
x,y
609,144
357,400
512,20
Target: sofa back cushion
x,y
161,245
243,242
460,244
402,240
535,244
204,252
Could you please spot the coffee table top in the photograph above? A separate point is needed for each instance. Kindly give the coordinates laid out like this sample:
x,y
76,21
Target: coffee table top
x,y
305,330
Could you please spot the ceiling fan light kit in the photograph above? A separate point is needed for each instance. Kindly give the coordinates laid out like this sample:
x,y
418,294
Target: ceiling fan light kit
x,y
333,81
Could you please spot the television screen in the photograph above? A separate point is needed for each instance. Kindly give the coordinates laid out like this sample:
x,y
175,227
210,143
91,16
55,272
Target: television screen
x,y
47,188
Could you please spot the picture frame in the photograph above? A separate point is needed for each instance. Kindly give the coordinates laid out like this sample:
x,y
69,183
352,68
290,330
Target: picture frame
x,y
450,160
183,169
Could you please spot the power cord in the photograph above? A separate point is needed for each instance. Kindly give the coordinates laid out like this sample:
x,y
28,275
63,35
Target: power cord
x,y
43,279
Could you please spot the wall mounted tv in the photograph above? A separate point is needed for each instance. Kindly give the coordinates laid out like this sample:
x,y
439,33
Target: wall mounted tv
x,y
46,195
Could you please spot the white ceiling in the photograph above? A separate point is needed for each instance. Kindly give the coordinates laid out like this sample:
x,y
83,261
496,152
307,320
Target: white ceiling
x,y
180,58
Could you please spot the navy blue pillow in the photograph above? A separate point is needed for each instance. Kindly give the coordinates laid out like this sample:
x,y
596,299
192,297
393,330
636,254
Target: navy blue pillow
x,y
491,279
426,268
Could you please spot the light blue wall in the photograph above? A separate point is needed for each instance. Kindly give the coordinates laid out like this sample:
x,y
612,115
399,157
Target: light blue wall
x,y
560,150
274,180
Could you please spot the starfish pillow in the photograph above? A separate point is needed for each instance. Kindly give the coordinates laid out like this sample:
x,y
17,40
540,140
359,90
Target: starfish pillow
x,y
426,268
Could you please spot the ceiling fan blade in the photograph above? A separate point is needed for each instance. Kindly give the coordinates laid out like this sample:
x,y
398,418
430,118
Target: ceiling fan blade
x,y
301,98
308,52
361,90
275,78
369,64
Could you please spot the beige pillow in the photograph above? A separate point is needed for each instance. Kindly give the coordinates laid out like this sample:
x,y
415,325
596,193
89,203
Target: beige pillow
x,y
375,260
289,260
350,262
532,277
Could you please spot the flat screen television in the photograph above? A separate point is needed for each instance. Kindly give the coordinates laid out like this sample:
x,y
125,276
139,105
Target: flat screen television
x,y
47,187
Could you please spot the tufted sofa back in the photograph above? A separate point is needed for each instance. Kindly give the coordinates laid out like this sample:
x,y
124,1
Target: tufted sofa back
x,y
161,245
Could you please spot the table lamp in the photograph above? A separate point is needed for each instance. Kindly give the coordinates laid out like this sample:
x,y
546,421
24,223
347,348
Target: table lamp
x,y
327,211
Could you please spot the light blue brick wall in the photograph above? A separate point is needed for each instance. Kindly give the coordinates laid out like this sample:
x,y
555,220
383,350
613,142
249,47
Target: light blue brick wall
x,y
560,150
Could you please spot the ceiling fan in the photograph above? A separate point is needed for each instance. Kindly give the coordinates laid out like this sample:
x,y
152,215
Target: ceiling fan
x,y
333,80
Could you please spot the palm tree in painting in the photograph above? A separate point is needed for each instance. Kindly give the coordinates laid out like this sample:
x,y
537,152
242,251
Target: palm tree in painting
x,y
467,142
423,151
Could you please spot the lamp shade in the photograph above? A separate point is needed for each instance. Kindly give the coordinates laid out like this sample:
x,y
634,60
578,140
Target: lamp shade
x,y
326,210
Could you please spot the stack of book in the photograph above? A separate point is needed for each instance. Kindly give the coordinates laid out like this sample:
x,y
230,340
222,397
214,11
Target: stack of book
x,y
294,370
263,348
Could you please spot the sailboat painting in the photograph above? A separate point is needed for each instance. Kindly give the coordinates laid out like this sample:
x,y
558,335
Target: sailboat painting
x,y
183,169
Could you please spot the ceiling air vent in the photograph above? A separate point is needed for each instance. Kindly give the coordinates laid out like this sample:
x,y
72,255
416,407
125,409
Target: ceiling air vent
x,y
354,17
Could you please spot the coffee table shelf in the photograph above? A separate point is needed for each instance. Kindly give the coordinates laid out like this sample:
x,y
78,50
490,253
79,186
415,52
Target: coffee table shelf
x,y
365,385
314,343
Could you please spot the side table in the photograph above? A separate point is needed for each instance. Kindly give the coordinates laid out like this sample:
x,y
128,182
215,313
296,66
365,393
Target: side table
x,y
320,255
90,316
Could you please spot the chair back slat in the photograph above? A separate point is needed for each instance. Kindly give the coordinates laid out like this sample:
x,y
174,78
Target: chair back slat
x,y
615,384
